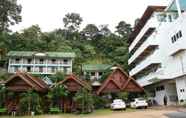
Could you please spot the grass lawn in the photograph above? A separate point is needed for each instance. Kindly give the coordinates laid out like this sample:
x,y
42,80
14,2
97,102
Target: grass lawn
x,y
68,115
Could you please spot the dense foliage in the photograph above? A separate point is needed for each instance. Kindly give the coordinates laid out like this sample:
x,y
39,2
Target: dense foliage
x,y
9,14
2,95
56,94
89,46
30,102
85,101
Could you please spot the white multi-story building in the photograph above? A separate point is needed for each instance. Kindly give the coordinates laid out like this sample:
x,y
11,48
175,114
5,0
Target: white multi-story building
x,y
40,63
158,52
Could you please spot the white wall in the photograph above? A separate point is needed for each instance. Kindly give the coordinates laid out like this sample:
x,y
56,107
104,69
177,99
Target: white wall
x,y
181,84
169,91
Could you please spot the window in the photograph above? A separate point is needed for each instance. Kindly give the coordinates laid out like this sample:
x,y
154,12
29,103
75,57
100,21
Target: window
x,y
182,90
65,61
53,61
17,60
40,69
170,18
16,68
65,70
100,73
162,17
29,61
53,69
177,36
92,73
28,69
160,88
41,61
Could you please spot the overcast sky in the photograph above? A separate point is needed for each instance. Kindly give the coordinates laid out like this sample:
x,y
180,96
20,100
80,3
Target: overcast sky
x,y
48,14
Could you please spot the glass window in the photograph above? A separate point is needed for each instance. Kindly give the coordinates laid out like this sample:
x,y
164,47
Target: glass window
x,y
41,69
170,18
180,34
65,61
28,69
29,61
53,69
100,73
16,68
17,60
53,61
92,73
65,70
162,17
41,61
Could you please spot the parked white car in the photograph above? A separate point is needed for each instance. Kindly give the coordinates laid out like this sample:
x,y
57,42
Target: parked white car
x,y
118,104
139,103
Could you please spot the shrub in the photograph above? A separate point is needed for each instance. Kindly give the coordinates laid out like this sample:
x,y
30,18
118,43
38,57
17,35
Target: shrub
x,y
84,100
99,102
56,94
54,110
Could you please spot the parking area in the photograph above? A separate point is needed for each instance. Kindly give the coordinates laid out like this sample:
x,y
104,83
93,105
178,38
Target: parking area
x,y
155,112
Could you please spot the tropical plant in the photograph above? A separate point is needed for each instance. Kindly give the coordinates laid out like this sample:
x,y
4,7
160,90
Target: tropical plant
x,y
123,96
99,102
59,76
55,94
2,95
30,102
85,101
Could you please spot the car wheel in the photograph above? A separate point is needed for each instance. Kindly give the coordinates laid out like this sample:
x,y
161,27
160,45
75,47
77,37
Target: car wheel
x,y
145,107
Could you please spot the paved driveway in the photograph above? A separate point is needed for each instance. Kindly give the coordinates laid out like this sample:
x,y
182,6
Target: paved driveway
x,y
149,113
141,113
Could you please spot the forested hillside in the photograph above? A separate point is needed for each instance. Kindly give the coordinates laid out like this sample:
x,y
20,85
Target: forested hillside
x,y
92,44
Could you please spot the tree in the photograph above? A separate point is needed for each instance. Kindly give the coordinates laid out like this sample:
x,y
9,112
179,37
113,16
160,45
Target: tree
x,y
9,14
123,29
58,76
85,100
30,102
72,21
104,30
90,31
56,94
2,95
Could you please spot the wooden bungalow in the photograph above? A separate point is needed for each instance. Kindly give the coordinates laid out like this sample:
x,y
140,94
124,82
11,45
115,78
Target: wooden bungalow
x,y
22,82
119,81
73,84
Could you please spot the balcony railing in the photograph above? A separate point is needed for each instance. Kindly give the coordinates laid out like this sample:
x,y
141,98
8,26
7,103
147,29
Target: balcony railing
x,y
148,45
150,62
148,28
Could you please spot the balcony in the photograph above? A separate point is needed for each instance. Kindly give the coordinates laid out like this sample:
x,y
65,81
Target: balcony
x,y
150,78
150,63
147,47
146,31
142,40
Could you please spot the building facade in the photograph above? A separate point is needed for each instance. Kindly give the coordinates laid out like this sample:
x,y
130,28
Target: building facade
x,y
158,52
94,71
40,63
